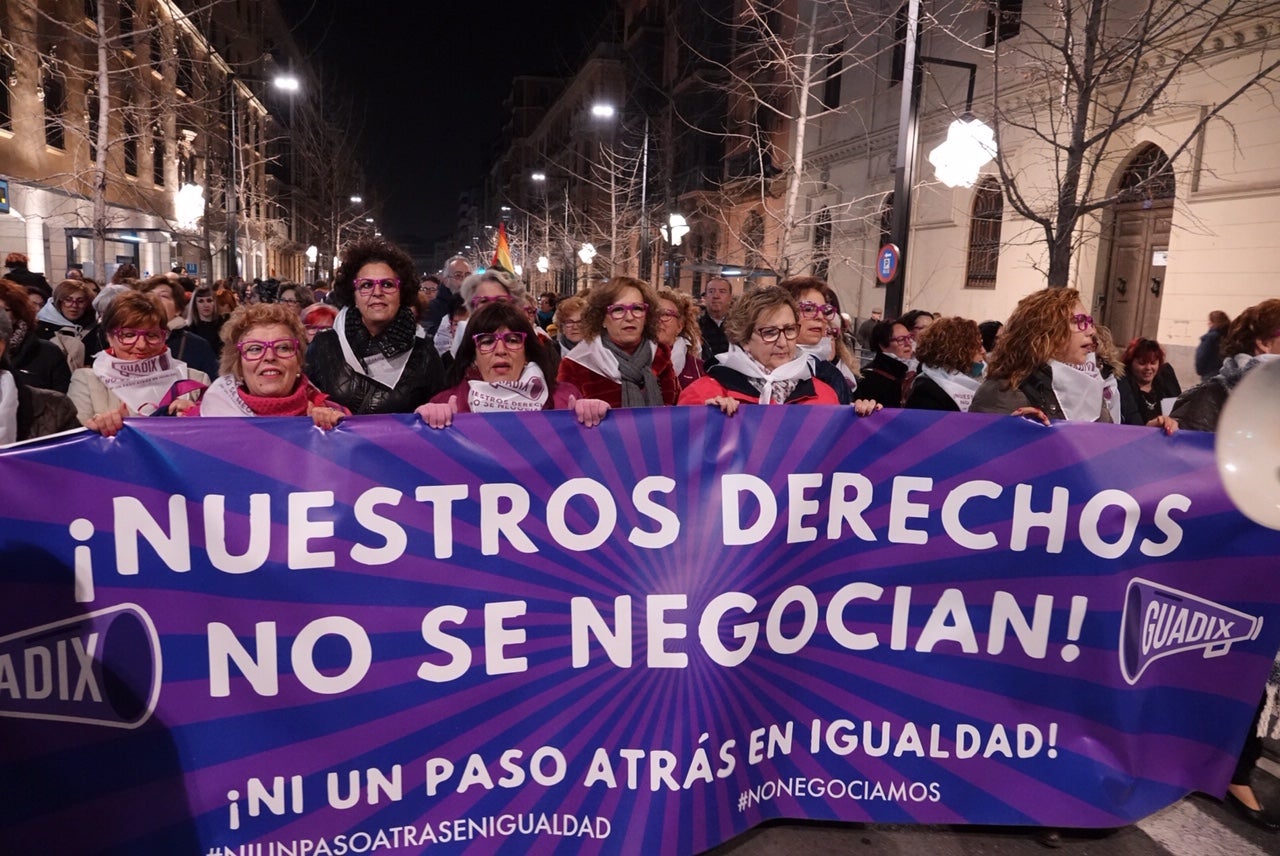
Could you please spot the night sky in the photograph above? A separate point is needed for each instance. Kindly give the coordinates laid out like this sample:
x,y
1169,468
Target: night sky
x,y
428,80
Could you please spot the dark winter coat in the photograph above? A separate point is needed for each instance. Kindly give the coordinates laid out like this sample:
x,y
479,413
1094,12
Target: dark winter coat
x,y
423,377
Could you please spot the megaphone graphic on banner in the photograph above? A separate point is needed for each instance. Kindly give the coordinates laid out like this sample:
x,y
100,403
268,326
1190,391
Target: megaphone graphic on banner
x,y
1247,447
102,668
1159,621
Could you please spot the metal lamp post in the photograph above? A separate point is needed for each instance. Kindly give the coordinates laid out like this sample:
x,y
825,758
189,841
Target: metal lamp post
x,y
285,83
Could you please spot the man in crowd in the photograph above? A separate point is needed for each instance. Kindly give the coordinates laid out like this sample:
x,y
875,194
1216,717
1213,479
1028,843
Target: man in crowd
x,y
717,297
864,329
455,270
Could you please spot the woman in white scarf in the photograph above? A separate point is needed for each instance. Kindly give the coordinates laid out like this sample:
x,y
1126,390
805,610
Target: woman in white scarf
x,y
762,365
136,375
950,354
1042,368
503,366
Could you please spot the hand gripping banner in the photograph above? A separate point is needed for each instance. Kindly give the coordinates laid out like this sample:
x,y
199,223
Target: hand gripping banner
x,y
249,636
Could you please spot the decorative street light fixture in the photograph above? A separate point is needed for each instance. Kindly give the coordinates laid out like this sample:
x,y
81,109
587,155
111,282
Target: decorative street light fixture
x,y
957,160
587,253
544,264
674,230
970,145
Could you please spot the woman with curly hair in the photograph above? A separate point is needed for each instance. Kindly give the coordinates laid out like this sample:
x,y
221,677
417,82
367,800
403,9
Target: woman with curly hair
x,y
679,330
569,321
1041,366
619,359
375,359
261,370
950,354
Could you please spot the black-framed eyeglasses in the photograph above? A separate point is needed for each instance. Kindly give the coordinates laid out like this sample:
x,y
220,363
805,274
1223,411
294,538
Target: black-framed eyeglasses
x,y
366,285
769,335
487,342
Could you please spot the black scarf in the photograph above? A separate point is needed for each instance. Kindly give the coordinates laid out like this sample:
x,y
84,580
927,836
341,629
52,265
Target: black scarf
x,y
397,338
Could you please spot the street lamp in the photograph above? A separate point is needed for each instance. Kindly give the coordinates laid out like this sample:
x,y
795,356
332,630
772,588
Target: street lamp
x,y
607,111
283,82
356,200
970,145
673,232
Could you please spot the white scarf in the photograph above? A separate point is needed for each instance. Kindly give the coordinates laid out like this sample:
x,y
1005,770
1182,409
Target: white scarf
x,y
1079,390
222,398
825,352
679,353
49,312
528,393
375,366
592,354
912,363
958,385
8,409
140,384
786,375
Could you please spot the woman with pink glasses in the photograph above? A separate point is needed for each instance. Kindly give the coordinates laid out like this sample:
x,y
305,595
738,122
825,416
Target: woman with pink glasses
x,y
375,359
620,360
136,375
504,367
261,371
1043,365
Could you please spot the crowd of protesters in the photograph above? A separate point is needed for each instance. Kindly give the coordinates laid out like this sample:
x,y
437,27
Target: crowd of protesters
x,y
383,341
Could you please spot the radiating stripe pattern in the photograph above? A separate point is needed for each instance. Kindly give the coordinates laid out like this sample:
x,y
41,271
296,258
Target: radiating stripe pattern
x,y
907,618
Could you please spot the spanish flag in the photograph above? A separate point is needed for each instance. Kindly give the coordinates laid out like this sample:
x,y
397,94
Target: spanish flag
x,y
502,255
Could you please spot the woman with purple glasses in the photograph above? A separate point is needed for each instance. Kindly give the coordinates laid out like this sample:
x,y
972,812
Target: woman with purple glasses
x,y
620,360
136,375
504,367
1044,364
261,371
495,285
375,359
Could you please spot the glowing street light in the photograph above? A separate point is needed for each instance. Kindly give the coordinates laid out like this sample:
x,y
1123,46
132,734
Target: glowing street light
x,y
356,200
674,230
603,111
287,83
970,145
587,253
538,176
543,265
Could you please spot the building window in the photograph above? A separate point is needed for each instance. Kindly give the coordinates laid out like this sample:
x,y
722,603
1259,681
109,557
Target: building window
x,y
54,88
753,240
8,79
130,146
157,159
91,119
822,244
1004,20
834,55
183,76
126,20
984,235
1148,177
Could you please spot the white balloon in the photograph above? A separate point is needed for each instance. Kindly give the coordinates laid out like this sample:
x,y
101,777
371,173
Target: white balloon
x,y
1248,445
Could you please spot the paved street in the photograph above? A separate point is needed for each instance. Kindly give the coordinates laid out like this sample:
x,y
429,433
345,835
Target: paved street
x,y
1196,826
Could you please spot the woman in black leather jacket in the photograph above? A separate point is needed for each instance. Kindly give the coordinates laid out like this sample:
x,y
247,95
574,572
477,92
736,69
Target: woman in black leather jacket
x,y
374,360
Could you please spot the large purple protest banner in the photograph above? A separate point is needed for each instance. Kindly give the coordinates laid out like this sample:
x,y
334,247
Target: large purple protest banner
x,y
520,635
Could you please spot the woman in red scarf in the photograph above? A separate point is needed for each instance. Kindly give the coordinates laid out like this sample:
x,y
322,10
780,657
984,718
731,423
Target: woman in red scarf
x,y
261,371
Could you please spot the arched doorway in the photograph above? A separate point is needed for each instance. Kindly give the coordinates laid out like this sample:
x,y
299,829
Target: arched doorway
x,y
1129,304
